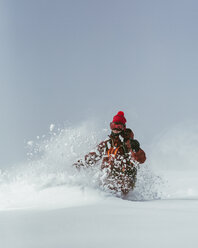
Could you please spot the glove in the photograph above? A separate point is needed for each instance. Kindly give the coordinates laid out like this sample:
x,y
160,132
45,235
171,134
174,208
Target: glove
x,y
135,145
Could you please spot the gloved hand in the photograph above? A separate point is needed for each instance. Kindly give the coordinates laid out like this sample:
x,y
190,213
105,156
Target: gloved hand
x,y
135,145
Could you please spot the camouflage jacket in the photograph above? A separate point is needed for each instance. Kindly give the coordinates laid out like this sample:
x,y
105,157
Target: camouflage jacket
x,y
115,153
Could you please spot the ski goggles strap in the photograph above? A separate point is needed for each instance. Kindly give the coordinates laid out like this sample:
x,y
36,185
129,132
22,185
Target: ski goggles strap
x,y
118,126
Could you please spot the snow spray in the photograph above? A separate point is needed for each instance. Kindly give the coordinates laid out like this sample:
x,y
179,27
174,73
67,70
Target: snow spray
x,y
49,180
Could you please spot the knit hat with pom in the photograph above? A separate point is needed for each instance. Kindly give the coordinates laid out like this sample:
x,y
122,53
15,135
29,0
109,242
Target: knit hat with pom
x,y
119,118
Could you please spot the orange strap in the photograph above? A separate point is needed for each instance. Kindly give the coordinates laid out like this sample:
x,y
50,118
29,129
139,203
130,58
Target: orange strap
x,y
112,151
109,151
116,151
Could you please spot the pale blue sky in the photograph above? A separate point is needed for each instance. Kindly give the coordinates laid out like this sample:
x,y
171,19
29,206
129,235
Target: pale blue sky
x,y
69,60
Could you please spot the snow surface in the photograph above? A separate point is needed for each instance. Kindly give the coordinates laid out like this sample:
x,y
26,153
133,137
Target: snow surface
x,y
47,203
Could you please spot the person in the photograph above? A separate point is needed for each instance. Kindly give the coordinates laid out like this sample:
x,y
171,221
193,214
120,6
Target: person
x,y
119,155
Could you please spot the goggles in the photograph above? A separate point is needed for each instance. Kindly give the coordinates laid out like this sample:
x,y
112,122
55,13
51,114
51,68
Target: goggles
x,y
117,126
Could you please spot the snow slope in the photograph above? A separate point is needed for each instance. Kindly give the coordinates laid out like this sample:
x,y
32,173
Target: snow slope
x,y
46,203
109,223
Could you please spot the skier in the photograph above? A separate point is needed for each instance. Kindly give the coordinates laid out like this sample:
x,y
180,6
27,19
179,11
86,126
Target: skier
x,y
119,154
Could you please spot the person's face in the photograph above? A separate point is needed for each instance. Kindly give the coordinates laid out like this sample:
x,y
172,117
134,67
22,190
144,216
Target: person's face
x,y
116,131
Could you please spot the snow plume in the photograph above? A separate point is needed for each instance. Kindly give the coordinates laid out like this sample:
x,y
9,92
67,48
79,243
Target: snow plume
x,y
174,154
149,185
48,179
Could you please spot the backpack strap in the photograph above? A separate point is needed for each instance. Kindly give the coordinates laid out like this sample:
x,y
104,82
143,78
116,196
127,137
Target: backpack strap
x,y
124,147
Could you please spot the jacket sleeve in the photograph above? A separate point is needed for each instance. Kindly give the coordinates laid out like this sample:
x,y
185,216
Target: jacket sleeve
x,y
92,157
139,156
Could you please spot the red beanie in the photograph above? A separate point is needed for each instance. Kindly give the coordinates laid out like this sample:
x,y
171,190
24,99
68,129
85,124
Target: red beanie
x,y
119,117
